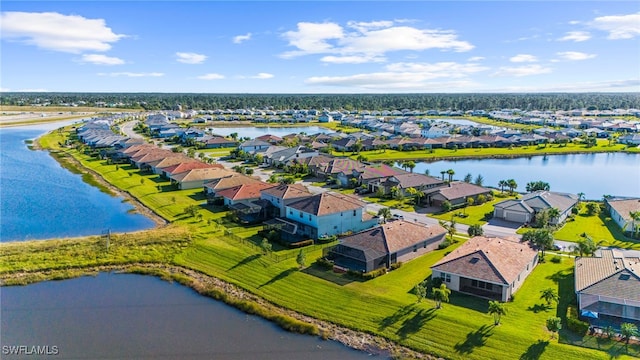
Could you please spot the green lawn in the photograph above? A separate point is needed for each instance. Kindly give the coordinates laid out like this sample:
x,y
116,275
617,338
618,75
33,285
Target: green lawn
x,y
474,214
601,228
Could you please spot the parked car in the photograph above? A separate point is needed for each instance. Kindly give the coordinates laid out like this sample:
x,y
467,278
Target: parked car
x,y
397,217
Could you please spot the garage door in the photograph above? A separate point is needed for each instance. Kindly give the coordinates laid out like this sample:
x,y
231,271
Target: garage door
x,y
515,217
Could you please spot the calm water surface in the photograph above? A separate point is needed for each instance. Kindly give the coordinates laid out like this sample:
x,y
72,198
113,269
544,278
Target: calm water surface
x,y
39,199
593,174
139,317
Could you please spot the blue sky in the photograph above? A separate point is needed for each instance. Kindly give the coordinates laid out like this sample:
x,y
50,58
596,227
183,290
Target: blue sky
x,y
320,47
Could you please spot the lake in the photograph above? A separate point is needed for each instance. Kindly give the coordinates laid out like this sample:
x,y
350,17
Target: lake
x,y
254,132
593,174
40,199
133,317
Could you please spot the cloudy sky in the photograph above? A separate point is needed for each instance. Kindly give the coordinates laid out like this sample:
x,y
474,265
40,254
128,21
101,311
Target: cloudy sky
x,y
320,47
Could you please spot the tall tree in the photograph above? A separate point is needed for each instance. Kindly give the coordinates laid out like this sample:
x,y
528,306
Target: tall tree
x,y
301,259
542,238
468,178
451,172
385,212
501,184
635,227
410,164
442,173
420,291
537,186
585,246
554,214
512,185
497,309
440,295
450,227
479,180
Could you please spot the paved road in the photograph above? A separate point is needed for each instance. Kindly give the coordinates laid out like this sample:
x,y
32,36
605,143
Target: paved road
x,y
127,129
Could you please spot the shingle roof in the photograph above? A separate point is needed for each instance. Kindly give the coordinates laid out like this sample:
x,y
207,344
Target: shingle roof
x,y
376,171
288,191
489,259
327,203
244,191
202,174
230,181
408,180
611,274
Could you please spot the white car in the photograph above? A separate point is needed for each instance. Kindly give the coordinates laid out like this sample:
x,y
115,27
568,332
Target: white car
x,y
397,217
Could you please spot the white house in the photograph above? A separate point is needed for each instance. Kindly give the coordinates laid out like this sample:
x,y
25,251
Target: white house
x,y
620,210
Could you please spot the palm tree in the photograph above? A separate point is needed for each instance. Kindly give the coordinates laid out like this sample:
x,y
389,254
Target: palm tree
x,y
554,324
635,229
554,214
385,213
512,185
501,184
410,164
450,172
627,330
580,197
549,295
497,309
442,173
479,180
585,247
440,295
450,227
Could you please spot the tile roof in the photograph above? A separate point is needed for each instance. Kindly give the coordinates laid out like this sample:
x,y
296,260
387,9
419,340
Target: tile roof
x,y
611,274
408,180
244,191
346,166
376,171
188,165
624,207
286,191
327,203
201,174
230,181
490,259
461,189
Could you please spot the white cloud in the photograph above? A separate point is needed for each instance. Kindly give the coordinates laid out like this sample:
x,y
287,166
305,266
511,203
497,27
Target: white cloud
x,y
241,38
574,22
132,74
54,31
576,36
263,76
190,58
520,71
523,58
575,55
99,59
311,38
352,59
476,58
211,76
619,26
409,76
369,40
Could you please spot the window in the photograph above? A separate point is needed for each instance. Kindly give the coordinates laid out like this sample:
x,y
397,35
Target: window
x,y
446,277
309,217
290,212
301,215
354,212
278,200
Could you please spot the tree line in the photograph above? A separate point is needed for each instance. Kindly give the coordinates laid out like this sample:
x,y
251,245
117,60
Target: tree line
x,y
349,102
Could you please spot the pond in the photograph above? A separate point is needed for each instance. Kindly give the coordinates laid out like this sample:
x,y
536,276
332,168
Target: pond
x,y
40,199
134,317
593,174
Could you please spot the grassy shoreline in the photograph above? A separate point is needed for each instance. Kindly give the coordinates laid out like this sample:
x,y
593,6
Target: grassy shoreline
x,y
383,308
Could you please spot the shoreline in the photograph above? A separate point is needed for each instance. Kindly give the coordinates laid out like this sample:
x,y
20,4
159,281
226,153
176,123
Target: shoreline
x,y
206,285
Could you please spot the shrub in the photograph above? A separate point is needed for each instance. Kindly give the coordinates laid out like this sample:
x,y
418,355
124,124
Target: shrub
x,y
324,263
444,244
300,244
574,324
396,265
556,259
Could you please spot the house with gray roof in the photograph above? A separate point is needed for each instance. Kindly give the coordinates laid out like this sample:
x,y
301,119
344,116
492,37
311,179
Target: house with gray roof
x,y
608,287
523,210
385,245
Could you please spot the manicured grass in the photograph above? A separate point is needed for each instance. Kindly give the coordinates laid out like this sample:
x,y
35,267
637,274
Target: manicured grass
x,y
475,214
601,228
391,310
438,154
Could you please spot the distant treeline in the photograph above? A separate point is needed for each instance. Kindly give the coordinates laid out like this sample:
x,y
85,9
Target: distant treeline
x,y
464,102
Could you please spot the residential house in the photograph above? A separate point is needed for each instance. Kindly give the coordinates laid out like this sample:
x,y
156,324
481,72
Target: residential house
x,y
375,173
328,214
271,139
215,142
405,181
196,178
523,210
252,146
186,165
212,188
608,287
492,268
244,193
282,195
457,193
620,210
385,245
289,155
